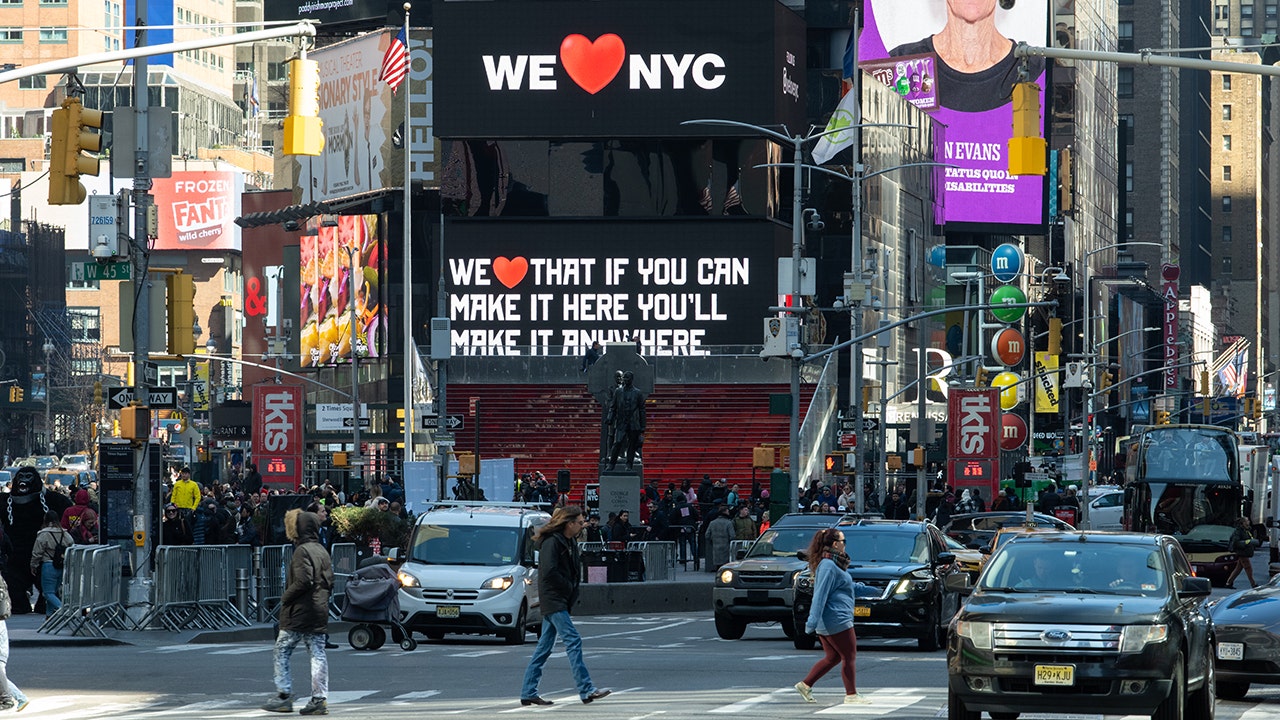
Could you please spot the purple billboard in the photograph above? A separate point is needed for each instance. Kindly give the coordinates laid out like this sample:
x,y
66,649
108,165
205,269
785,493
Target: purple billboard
x,y
971,42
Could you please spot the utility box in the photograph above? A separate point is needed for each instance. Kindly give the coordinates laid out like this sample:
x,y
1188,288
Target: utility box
x,y
135,422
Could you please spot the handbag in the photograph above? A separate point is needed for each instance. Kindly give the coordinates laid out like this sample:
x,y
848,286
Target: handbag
x,y
1243,547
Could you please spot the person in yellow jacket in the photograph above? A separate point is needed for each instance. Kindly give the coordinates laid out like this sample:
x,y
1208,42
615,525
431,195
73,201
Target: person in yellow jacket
x,y
186,494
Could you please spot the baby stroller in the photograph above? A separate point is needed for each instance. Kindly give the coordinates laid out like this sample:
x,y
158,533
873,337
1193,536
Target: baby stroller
x,y
372,600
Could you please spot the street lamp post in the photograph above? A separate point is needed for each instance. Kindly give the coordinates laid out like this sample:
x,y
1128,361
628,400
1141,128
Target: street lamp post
x,y
357,463
48,387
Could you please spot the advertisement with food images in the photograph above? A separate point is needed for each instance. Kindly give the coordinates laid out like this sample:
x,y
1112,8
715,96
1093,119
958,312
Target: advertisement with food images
x,y
342,263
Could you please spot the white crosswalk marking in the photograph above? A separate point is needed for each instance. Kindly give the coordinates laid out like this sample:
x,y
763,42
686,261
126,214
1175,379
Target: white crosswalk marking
x,y
748,703
243,650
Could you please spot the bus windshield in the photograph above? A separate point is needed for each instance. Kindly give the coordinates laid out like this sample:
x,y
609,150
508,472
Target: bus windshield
x,y
1188,454
1183,477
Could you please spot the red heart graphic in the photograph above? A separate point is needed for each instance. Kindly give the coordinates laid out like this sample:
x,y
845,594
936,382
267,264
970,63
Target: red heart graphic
x,y
592,64
510,272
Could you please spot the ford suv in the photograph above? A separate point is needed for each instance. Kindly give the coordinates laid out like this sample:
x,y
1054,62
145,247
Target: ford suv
x,y
471,569
760,587
1112,622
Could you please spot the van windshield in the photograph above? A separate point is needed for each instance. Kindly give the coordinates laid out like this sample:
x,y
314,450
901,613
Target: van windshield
x,y
465,545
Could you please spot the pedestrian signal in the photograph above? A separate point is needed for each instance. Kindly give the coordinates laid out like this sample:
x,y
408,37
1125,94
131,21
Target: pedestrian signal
x,y
834,463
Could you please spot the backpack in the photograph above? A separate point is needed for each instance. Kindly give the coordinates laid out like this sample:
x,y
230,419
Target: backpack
x,y
59,558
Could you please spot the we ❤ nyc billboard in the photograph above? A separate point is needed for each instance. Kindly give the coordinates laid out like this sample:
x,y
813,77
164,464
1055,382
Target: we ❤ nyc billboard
x,y
679,287
625,68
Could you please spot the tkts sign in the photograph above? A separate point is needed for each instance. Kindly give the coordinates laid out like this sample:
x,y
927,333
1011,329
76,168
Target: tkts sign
x,y
625,68
973,439
277,433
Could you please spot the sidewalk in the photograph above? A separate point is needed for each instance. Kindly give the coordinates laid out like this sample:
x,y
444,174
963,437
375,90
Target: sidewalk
x,y
688,591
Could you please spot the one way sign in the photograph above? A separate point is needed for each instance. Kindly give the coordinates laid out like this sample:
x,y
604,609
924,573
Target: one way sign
x,y
158,397
433,422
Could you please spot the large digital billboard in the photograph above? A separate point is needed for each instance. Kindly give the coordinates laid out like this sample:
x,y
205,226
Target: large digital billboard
x,y
969,47
197,210
552,288
624,68
326,287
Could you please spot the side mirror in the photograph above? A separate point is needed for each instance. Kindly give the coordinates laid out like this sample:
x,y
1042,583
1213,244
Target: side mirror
x,y
946,558
740,553
958,582
394,555
1195,587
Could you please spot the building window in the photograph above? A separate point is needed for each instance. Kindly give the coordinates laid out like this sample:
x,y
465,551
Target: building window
x,y
1126,122
1226,173
1226,203
1226,234
1124,87
1128,176
1226,83
10,3
1226,112
1125,40
1246,11
53,35
86,324
1226,143
10,35
34,82
44,3
1128,224
1226,266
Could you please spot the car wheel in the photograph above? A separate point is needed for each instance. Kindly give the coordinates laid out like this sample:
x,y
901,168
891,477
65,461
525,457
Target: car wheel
x,y
804,641
789,628
1173,706
1201,703
729,627
956,709
379,637
515,636
933,630
1232,690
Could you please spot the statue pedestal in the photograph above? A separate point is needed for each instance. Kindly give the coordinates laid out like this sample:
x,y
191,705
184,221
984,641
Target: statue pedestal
x,y
620,490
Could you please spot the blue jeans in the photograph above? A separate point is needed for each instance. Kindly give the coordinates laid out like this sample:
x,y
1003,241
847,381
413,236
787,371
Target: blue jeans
x,y
50,586
557,623
6,685
286,641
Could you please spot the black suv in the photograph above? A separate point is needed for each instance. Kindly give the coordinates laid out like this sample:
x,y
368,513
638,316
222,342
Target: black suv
x,y
1112,622
760,586
906,563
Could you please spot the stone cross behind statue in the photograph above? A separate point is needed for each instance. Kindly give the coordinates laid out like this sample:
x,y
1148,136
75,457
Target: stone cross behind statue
x,y
605,377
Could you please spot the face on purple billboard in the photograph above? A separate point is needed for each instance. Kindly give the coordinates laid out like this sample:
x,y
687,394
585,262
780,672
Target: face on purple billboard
x,y
972,41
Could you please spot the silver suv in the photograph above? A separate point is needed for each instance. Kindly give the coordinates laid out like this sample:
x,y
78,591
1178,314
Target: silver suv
x,y
761,586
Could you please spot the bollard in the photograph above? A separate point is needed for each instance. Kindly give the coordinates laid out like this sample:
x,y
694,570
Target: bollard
x,y
242,590
259,584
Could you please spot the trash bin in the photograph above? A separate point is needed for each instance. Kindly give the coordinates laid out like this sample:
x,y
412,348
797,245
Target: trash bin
x,y
594,567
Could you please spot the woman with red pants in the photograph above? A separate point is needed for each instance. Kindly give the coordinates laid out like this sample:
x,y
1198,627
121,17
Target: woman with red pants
x,y
831,615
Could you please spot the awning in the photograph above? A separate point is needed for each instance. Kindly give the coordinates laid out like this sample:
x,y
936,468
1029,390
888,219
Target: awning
x,y
370,201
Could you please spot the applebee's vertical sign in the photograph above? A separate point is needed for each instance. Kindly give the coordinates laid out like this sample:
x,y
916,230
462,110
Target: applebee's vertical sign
x,y
277,434
1169,291
973,439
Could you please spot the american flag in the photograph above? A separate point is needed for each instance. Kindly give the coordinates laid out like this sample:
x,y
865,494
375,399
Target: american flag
x,y
1234,375
395,64
254,105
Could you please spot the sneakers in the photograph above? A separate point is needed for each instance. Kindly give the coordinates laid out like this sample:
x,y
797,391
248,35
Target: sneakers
x,y
316,706
7,702
278,704
857,699
22,704
805,691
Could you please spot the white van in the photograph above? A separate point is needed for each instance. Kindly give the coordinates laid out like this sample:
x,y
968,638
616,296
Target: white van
x,y
471,569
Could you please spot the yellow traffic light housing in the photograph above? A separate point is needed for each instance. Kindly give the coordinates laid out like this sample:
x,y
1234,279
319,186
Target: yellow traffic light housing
x,y
866,397
73,131
1255,408
1026,148
1162,417
834,464
1204,382
97,392
1055,336
980,379
1104,382
303,129
917,457
181,315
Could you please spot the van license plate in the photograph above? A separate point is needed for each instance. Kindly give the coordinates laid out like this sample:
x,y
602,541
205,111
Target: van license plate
x,y
1055,674
861,611
1230,651
448,611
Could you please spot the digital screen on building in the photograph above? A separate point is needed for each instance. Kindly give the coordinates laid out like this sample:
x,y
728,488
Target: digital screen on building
x,y
971,97
341,263
552,288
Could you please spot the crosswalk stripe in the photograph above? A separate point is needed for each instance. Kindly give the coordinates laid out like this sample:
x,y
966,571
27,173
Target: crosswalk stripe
x,y
746,704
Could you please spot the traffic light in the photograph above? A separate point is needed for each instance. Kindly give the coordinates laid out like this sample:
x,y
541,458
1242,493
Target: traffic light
x,y
97,392
72,131
1207,409
1026,148
917,457
1055,336
1105,381
834,464
866,397
1255,408
303,129
1064,182
1162,417
181,313
1204,382
980,379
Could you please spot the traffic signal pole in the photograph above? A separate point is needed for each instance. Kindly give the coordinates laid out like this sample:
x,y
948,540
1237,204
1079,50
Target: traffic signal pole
x,y
140,582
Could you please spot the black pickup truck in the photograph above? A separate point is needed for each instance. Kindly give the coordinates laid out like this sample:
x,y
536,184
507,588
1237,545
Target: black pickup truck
x,y
1112,622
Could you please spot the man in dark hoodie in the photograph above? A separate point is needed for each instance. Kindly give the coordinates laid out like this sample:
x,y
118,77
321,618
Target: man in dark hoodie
x,y
558,569
304,614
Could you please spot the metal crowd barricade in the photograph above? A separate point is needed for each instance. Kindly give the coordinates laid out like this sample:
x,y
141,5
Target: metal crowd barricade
x,y
659,558
344,559
91,593
739,546
237,557
275,561
191,590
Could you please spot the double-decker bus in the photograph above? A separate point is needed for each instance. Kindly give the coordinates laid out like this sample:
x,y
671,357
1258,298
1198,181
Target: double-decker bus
x,y
1184,480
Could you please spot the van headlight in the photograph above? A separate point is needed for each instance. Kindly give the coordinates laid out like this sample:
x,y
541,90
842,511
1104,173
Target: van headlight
x,y
406,580
499,583
1135,637
979,633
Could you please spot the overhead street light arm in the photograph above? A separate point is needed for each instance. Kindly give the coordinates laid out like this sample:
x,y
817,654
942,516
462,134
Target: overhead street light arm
x,y
272,368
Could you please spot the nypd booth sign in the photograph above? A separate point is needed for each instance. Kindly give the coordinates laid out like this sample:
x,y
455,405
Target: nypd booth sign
x,y
624,68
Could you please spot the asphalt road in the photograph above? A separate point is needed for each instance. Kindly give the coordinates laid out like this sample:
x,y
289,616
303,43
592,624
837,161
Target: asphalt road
x,y
659,667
